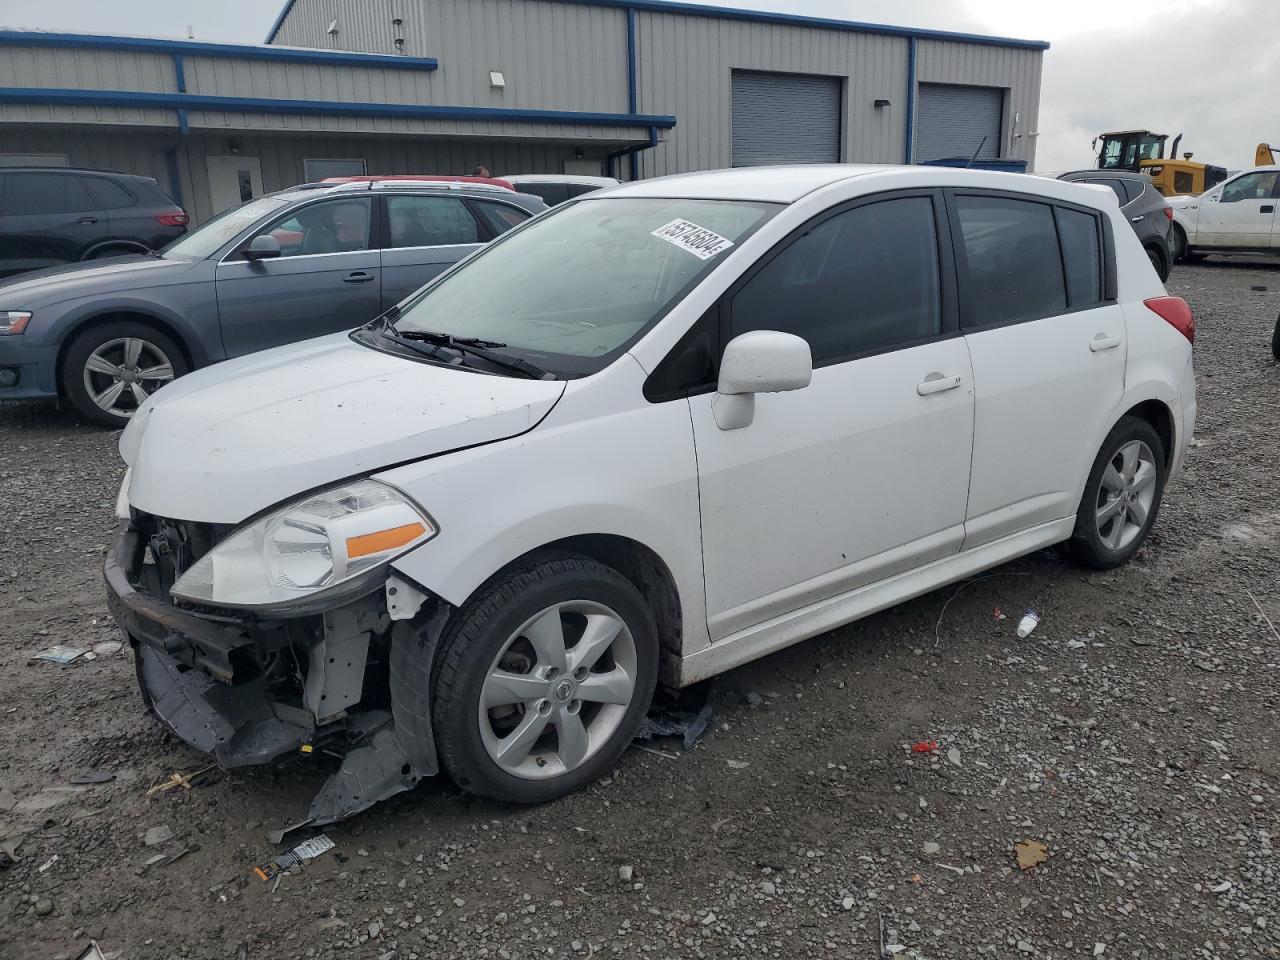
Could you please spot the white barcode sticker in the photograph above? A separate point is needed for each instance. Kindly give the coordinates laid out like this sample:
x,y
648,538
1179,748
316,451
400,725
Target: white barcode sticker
x,y
313,847
701,242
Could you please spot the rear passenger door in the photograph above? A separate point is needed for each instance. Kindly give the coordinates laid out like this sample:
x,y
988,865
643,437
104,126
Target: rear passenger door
x,y
1047,342
47,219
425,236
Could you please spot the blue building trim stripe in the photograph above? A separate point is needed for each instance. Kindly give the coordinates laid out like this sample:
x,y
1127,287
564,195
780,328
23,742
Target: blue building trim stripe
x,y
909,149
180,78
188,101
175,179
38,38
796,20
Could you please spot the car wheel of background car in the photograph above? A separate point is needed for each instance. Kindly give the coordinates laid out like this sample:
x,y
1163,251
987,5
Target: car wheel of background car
x,y
1158,261
110,369
1181,252
1275,341
543,678
1122,496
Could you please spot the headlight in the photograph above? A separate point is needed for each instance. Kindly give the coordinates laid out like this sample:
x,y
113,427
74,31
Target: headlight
x,y
13,322
313,554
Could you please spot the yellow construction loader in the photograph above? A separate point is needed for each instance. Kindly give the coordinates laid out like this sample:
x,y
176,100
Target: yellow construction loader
x,y
1143,152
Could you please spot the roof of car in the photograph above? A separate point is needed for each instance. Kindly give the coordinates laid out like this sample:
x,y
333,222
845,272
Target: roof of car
x,y
787,184
1103,174
102,173
559,178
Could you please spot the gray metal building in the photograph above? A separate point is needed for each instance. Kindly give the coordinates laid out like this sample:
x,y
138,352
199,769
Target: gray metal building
x,y
635,88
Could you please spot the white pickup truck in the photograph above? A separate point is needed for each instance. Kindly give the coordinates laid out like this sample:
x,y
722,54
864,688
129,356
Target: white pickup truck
x,y
1236,216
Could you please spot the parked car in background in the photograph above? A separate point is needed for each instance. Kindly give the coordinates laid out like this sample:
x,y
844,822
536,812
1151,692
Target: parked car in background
x,y
1238,216
659,431
50,216
1147,210
283,267
556,189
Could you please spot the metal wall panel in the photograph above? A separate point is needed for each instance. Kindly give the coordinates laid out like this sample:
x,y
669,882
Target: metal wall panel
x,y
1016,71
958,121
686,64
785,118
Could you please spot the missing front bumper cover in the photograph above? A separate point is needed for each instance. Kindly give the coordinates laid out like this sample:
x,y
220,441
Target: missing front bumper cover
x,y
202,678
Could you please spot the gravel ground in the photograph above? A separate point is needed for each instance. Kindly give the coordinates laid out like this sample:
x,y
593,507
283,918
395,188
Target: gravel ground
x,y
1133,734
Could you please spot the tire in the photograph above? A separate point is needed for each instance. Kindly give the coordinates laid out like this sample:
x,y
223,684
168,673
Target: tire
x,y
1182,254
113,343
1275,341
1129,501
1158,261
489,638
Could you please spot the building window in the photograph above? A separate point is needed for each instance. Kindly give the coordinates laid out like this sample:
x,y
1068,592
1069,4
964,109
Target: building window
x,y
315,170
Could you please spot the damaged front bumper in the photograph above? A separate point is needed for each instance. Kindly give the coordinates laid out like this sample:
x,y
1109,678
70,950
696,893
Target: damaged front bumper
x,y
352,682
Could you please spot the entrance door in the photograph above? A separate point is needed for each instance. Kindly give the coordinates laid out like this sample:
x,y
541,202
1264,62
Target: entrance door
x,y
233,180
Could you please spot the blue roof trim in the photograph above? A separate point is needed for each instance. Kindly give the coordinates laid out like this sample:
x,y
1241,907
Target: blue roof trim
x,y
275,27
38,38
187,101
797,20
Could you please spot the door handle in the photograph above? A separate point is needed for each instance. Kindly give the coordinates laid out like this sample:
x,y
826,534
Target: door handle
x,y
1269,208
937,383
1102,342
357,278
1138,219
87,220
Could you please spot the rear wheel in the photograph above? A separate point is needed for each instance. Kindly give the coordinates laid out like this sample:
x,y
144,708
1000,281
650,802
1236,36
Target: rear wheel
x,y
1275,341
1158,261
1122,496
543,680
110,369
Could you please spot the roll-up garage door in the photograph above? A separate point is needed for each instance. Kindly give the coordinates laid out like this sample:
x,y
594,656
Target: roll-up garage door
x,y
785,118
951,121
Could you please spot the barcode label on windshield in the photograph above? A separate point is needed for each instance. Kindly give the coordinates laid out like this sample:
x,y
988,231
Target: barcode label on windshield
x,y
701,242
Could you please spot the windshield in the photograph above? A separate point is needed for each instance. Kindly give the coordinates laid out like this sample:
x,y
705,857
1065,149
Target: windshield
x,y
576,286
206,240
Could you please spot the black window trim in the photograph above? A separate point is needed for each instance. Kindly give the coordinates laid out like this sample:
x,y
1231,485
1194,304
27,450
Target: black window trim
x,y
719,314
1107,247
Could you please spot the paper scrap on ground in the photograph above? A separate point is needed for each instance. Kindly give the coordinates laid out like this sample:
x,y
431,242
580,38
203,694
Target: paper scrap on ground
x,y
60,654
307,850
701,242
1030,853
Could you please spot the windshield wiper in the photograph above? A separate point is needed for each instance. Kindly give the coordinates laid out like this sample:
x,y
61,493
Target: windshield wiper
x,y
475,346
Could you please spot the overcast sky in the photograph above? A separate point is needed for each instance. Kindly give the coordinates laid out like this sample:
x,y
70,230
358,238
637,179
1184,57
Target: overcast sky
x,y
1208,69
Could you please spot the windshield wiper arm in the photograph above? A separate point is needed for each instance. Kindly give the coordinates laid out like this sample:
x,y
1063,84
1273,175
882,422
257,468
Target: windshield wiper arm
x,y
473,345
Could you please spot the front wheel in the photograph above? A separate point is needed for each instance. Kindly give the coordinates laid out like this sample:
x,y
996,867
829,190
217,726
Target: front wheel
x,y
543,679
1275,341
1122,496
110,369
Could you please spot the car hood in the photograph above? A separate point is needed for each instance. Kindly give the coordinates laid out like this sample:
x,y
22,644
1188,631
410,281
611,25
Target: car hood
x,y
228,441
90,277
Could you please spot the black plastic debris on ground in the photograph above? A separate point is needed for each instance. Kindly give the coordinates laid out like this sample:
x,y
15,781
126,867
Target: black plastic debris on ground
x,y
686,714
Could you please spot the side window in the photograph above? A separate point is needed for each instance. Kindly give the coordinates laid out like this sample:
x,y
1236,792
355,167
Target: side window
x,y
1133,189
1183,181
430,222
863,280
108,194
1252,186
500,217
332,226
28,194
552,194
1010,262
1081,256
1116,186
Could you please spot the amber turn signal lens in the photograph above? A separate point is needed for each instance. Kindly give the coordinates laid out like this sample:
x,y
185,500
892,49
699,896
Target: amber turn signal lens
x,y
383,540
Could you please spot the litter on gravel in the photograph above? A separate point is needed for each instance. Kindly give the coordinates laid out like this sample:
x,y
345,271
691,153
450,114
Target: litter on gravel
x,y
60,654
1030,853
306,851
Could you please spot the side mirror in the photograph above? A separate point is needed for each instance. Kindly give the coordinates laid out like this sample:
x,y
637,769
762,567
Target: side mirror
x,y
763,361
263,247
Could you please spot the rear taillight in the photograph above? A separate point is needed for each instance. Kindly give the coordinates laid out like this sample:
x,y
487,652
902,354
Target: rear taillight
x,y
1168,213
178,219
1176,312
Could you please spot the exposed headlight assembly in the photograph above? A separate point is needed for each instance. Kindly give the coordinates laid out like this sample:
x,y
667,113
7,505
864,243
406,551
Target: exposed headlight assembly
x,y
313,554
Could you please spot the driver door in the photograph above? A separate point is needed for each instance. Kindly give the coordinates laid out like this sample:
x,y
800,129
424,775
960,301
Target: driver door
x,y
864,473
327,278
1243,214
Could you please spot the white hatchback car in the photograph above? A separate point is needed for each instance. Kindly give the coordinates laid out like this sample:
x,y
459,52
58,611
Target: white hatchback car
x,y
652,435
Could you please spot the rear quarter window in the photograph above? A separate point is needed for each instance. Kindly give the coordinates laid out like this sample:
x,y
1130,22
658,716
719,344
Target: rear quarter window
x,y
1081,241
108,194
1010,260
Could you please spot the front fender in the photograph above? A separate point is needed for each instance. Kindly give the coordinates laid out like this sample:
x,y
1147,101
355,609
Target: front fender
x,y
599,464
192,316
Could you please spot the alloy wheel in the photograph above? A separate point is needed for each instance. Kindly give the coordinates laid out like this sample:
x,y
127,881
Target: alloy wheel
x,y
558,689
1126,494
121,373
